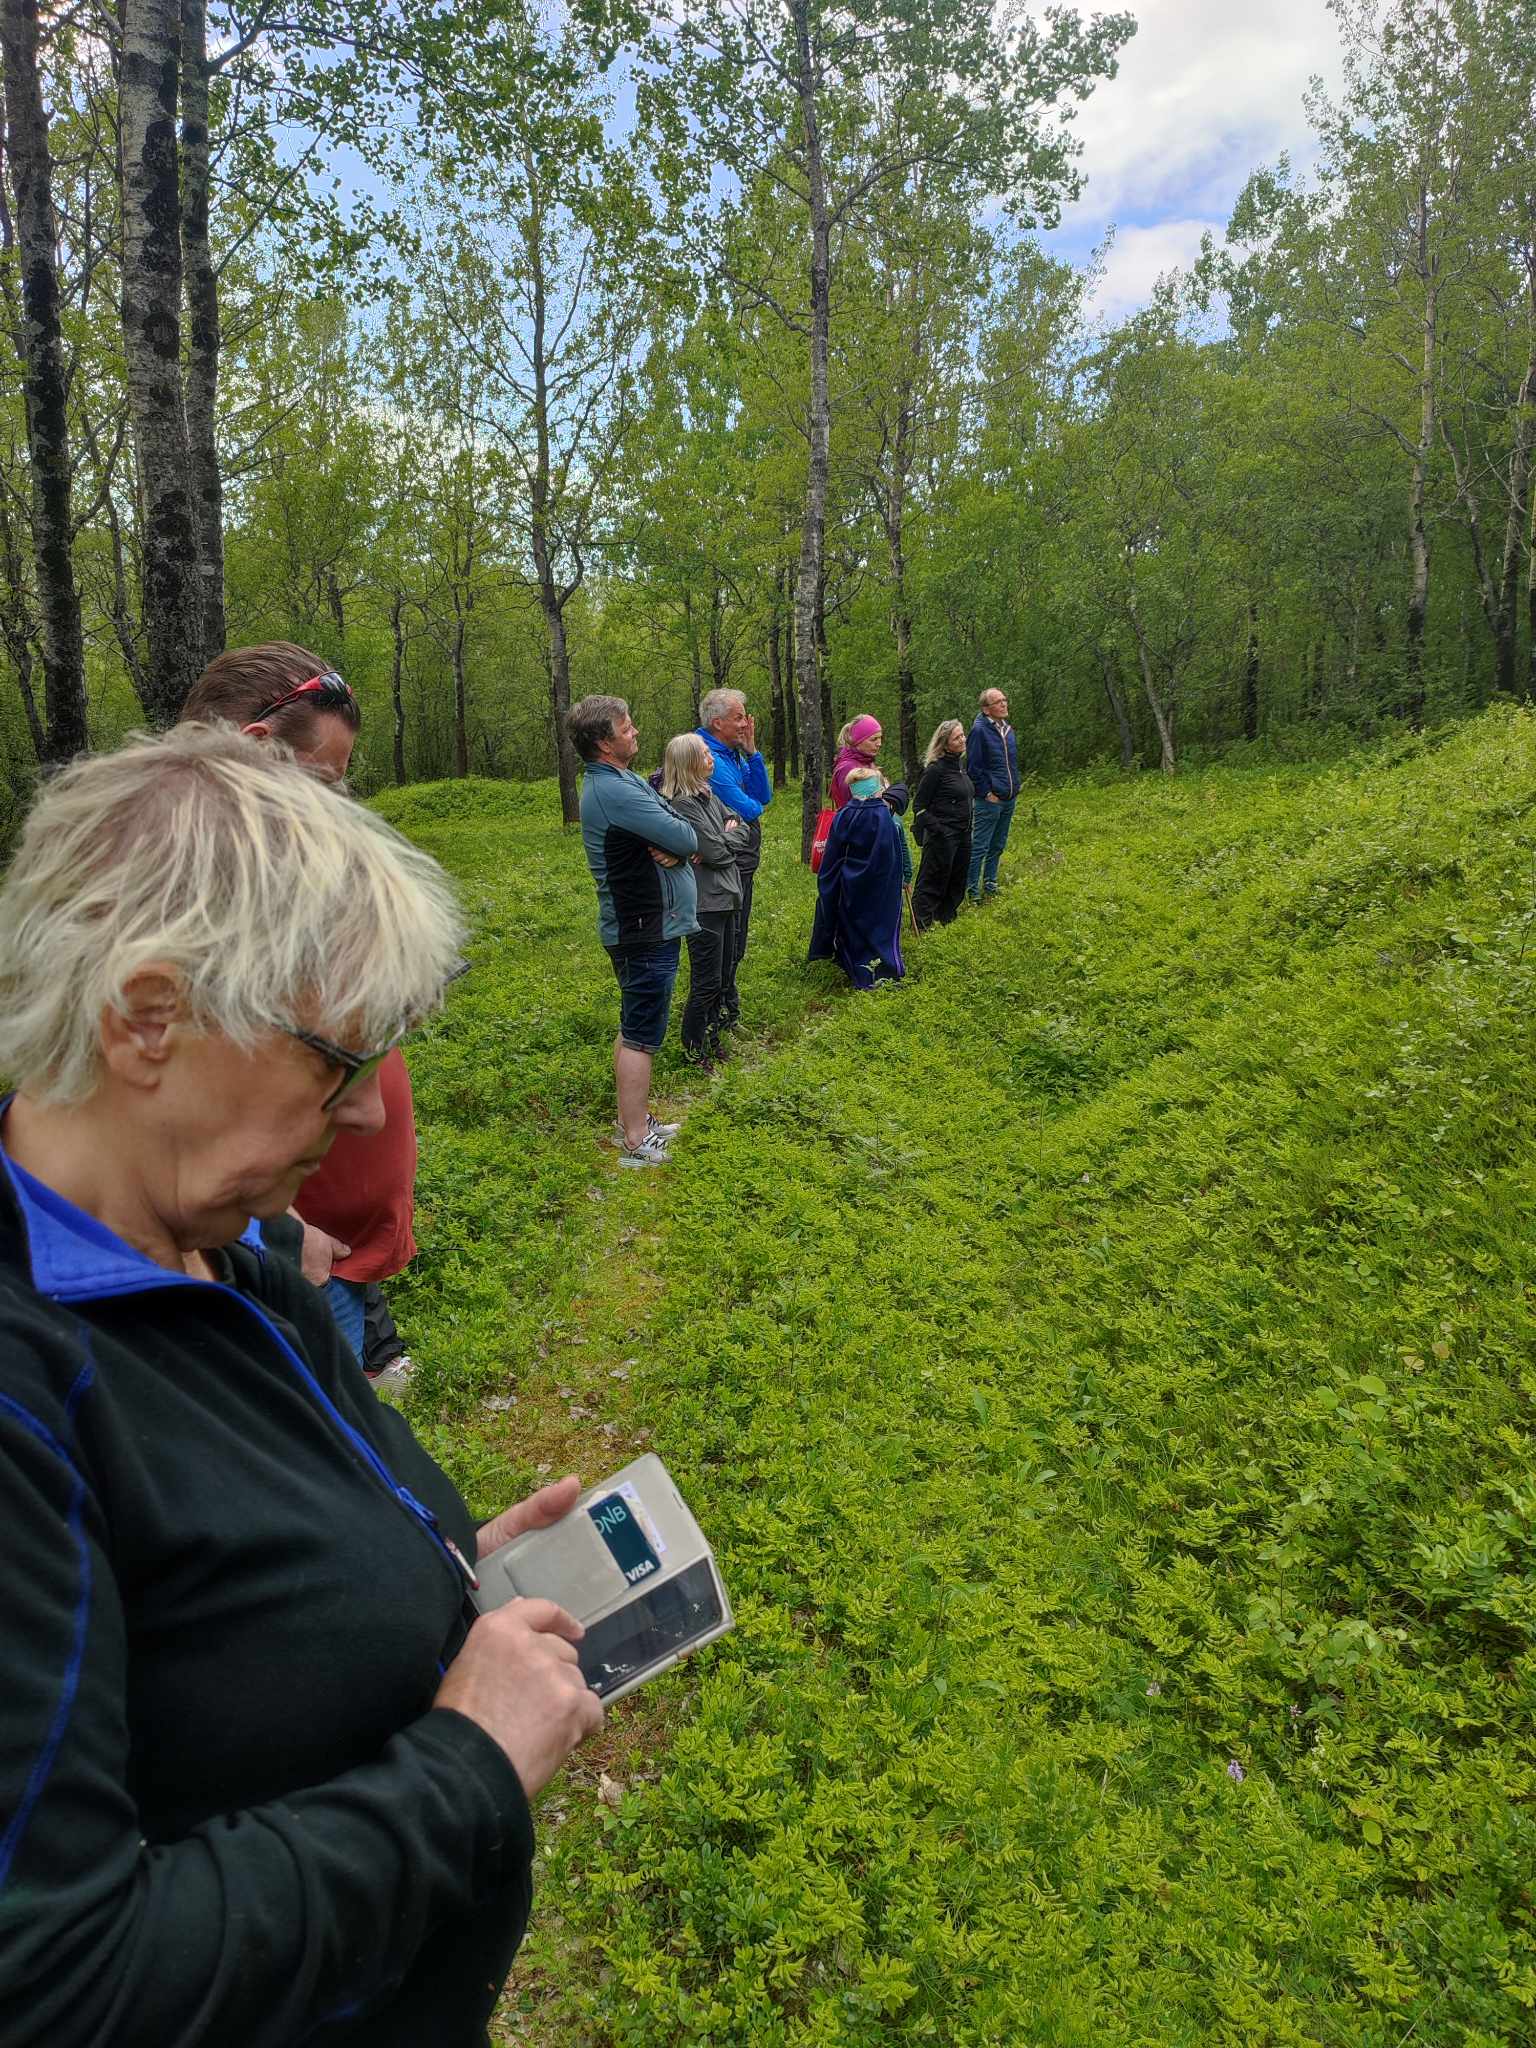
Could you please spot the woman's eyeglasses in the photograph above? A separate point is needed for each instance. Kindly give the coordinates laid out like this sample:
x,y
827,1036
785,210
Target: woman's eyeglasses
x,y
328,690
357,1066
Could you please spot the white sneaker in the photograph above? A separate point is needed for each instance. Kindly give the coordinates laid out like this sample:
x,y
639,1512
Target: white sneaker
x,y
651,1151
394,1377
654,1128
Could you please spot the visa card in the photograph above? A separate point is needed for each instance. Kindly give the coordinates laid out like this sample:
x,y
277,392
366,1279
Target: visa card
x,y
627,1543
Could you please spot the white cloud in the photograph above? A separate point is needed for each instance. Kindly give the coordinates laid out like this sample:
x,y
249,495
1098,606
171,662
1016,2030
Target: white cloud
x,y
1207,90
1140,256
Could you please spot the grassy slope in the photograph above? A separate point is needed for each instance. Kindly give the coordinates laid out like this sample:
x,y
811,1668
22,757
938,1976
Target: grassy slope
x,y
1105,1369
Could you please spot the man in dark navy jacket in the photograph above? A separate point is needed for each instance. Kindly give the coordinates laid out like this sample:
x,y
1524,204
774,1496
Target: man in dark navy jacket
x,y
992,761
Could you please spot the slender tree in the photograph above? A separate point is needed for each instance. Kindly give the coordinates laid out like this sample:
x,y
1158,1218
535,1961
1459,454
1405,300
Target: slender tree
x,y
203,339
789,91
152,290
40,347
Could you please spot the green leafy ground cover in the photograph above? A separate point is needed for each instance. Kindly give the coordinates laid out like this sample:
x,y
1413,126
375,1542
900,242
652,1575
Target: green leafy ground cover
x,y
1105,1367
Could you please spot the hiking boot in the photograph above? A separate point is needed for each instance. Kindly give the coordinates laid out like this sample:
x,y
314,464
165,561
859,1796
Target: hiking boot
x,y
651,1151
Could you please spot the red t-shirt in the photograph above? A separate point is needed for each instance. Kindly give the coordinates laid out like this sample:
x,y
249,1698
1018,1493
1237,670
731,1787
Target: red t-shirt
x,y
364,1191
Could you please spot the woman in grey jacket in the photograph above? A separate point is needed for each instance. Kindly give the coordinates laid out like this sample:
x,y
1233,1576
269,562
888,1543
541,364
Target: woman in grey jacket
x,y
686,770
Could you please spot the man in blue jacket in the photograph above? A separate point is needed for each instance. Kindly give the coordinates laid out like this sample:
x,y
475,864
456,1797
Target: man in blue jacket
x,y
638,849
741,783
992,761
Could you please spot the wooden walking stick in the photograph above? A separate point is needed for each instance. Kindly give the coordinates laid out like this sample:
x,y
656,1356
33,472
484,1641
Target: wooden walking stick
x,y
906,890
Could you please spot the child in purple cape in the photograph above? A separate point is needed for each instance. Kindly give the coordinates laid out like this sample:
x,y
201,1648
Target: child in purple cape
x,y
858,897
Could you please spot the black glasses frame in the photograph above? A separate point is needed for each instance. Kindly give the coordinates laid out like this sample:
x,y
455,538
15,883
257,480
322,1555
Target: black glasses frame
x,y
356,1066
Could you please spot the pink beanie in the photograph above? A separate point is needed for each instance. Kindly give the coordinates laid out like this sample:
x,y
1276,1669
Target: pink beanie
x,y
865,728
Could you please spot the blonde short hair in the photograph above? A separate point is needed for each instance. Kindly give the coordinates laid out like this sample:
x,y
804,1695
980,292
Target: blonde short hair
x,y
683,770
278,902
939,744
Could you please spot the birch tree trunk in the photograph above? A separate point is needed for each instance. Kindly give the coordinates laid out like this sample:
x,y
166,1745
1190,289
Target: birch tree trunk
x,y
552,599
151,258
829,720
41,349
1114,691
813,526
791,697
776,682
203,337
460,691
719,664
397,682
695,661
17,625
1418,531
895,509
1162,709
1251,675
1518,513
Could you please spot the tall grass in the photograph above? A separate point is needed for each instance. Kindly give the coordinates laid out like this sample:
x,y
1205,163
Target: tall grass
x,y
1105,1368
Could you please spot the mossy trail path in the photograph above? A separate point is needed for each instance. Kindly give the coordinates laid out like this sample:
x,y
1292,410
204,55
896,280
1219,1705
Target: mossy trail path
x,y
1104,1367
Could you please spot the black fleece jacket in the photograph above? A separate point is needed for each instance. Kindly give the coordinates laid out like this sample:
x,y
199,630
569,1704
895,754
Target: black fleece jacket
x,y
944,799
229,1815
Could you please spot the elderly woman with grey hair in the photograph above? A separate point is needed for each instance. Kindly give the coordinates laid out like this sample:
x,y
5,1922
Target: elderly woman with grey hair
x,y
264,1776
686,769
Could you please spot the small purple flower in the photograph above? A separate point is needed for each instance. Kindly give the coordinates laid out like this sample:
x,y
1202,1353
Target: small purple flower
x,y
1154,1690
1236,1772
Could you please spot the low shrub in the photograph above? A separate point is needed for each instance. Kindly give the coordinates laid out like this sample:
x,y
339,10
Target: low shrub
x,y
1104,1367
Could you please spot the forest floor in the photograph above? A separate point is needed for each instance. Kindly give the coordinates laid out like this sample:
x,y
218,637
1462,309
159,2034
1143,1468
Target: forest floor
x,y
1104,1368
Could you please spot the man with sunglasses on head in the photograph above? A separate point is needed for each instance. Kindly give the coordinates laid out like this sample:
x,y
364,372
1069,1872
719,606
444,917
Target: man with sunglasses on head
x,y
357,1209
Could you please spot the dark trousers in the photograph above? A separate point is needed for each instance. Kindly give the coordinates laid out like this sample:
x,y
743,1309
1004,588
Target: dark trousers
x,y
381,1340
941,878
731,1004
711,970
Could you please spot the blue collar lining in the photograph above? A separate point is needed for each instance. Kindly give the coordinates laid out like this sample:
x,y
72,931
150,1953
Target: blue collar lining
x,y
74,1258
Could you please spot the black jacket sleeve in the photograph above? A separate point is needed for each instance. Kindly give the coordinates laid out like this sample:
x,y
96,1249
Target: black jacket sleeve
x,y
927,783
259,1925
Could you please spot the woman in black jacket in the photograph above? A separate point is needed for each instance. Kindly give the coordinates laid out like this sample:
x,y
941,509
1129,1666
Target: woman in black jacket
x,y
941,824
265,1774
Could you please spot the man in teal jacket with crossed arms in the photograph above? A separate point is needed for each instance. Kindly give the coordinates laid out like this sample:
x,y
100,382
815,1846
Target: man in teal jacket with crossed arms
x,y
639,850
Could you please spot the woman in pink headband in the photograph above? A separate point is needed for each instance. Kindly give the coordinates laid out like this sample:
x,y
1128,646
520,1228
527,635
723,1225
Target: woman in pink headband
x,y
858,744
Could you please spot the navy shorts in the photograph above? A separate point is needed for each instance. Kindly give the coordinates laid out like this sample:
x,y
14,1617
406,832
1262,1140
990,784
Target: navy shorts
x,y
645,979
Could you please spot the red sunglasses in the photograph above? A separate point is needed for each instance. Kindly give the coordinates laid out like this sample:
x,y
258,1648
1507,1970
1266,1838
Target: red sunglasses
x,y
328,690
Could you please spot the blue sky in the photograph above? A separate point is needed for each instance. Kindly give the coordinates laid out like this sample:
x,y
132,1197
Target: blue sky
x,y
1207,90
